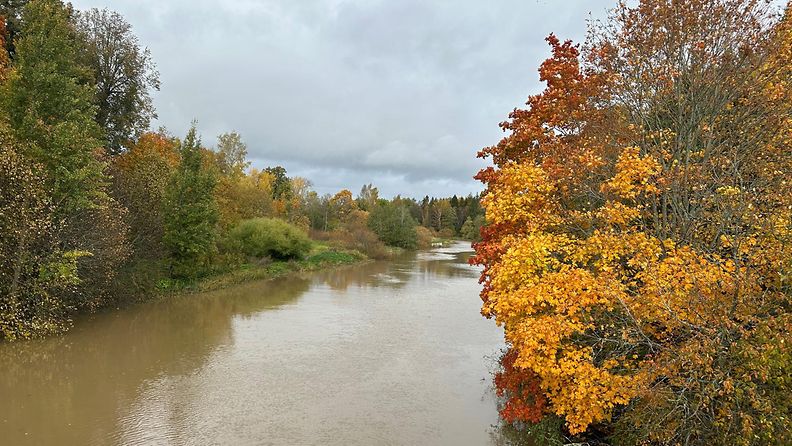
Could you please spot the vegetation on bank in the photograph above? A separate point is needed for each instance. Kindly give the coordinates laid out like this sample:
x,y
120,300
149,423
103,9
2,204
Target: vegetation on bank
x,y
97,210
321,257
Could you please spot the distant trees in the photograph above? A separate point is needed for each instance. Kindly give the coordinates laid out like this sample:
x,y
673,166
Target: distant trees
x,y
232,154
443,217
472,227
368,197
446,216
123,73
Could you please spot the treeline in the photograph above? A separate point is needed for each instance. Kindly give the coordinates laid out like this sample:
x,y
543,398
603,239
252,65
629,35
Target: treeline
x,y
401,222
96,209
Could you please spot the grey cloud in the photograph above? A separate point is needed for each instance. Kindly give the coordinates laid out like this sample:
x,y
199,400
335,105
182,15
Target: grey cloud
x,y
398,93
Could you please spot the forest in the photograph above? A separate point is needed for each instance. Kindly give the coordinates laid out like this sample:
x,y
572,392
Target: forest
x,y
98,210
638,250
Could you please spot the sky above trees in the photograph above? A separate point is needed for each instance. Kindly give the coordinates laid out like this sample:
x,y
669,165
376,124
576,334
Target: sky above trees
x,y
399,94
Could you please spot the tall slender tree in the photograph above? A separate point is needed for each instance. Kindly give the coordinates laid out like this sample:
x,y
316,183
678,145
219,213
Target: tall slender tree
x,y
190,211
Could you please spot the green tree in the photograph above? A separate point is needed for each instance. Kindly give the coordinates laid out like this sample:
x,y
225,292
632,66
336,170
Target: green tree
x,y
50,107
47,101
124,74
190,212
317,209
394,225
471,228
281,188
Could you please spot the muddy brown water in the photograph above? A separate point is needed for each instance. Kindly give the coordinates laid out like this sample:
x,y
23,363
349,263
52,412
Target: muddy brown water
x,y
385,353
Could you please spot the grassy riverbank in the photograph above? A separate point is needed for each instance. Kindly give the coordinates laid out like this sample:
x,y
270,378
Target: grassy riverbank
x,y
321,257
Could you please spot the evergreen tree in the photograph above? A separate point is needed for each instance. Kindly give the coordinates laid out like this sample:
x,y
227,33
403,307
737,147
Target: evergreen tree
x,y
190,211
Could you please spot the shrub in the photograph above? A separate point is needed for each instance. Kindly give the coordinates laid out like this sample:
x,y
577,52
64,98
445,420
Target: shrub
x,y
447,233
269,237
425,237
355,236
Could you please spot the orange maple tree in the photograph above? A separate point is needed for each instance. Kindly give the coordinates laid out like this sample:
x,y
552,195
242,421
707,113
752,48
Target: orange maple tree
x,y
637,249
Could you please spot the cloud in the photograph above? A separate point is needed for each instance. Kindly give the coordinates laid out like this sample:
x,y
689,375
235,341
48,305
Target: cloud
x,y
398,93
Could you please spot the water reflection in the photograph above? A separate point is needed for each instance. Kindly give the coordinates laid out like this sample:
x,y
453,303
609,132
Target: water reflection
x,y
449,262
95,370
388,352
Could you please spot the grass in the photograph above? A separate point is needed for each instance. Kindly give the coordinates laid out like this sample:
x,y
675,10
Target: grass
x,y
320,257
445,242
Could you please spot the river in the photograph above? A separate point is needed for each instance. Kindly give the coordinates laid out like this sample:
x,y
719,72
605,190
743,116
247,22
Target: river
x,y
384,353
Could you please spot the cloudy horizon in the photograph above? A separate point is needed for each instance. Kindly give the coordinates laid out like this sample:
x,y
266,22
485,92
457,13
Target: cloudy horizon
x,y
345,93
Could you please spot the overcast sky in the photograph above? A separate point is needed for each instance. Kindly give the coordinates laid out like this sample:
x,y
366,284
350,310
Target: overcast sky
x,y
398,93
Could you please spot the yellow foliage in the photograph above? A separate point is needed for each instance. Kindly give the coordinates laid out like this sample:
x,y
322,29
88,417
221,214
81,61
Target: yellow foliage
x,y
632,264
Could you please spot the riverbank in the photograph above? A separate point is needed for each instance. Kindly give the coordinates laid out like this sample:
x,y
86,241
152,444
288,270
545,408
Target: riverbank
x,y
321,257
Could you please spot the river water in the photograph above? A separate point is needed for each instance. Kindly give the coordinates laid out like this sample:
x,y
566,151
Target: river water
x,y
385,353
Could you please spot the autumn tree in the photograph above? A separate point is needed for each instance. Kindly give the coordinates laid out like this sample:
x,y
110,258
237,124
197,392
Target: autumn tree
x,y
34,270
240,195
232,154
123,73
5,60
638,229
140,179
343,204
48,102
443,216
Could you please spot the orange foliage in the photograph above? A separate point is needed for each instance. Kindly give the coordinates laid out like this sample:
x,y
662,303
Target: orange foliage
x,y
524,400
634,259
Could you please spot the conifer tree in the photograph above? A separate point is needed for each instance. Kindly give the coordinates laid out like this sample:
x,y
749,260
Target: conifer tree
x,y
190,211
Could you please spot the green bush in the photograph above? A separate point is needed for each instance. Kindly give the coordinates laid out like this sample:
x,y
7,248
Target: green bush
x,y
269,237
394,225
